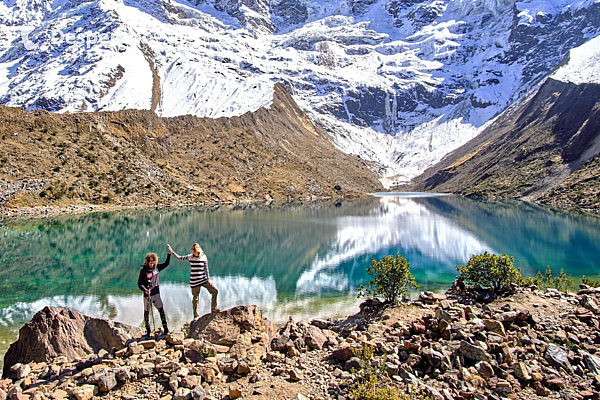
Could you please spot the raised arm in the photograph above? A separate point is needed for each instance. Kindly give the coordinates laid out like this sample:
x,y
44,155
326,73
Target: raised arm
x,y
177,256
165,264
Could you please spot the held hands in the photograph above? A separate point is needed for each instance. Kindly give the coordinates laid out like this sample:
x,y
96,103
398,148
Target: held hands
x,y
170,249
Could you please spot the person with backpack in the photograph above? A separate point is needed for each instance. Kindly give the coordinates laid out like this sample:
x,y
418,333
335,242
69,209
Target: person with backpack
x,y
148,282
199,277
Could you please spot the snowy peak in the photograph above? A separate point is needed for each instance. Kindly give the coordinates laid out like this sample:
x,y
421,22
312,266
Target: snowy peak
x,y
400,83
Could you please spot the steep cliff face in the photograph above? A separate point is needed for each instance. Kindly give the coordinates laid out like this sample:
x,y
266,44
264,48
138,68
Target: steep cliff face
x,y
529,151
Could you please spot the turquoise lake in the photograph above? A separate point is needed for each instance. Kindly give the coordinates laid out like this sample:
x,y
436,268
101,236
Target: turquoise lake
x,y
300,260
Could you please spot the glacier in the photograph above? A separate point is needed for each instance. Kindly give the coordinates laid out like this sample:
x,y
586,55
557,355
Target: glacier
x,y
398,83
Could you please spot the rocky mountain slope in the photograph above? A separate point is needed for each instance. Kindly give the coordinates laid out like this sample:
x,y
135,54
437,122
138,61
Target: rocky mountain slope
x,y
544,149
399,83
533,345
136,158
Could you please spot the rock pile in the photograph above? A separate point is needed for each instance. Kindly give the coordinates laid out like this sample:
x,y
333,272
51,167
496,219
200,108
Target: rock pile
x,y
533,344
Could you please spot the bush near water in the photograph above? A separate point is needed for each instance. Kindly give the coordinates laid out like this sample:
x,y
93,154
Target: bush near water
x,y
392,279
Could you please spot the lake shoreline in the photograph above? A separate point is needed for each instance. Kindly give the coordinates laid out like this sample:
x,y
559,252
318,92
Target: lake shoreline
x,y
528,344
40,212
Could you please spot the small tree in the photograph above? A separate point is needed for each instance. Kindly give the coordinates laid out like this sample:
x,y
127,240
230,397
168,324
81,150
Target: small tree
x,y
491,271
391,279
590,282
561,282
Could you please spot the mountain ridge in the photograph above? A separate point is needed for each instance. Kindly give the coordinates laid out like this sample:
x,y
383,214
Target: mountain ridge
x,y
136,158
530,152
398,83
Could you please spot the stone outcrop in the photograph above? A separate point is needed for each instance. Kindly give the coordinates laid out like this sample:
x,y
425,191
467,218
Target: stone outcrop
x,y
241,333
54,332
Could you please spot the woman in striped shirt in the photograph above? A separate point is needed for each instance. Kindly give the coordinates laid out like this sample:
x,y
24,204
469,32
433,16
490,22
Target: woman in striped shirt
x,y
199,277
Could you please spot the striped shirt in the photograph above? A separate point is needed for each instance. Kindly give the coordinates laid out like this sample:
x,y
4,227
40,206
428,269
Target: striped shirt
x,y
199,268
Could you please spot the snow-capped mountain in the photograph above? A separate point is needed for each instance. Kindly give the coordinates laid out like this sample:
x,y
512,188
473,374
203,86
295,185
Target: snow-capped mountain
x,y
399,82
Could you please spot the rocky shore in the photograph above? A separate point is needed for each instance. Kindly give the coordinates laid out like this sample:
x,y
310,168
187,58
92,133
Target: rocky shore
x,y
532,344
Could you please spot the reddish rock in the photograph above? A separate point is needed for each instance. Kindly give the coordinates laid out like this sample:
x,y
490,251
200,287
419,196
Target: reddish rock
x,y
343,353
419,327
225,328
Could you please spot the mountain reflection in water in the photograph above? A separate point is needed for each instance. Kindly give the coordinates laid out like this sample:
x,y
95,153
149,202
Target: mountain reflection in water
x,y
304,260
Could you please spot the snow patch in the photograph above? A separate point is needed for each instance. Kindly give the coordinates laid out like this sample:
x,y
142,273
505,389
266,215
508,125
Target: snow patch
x,y
583,65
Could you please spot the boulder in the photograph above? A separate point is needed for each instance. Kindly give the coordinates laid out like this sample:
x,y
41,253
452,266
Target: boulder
x,y
315,338
243,324
59,331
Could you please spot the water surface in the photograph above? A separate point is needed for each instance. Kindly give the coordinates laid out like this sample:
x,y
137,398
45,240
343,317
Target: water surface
x,y
300,260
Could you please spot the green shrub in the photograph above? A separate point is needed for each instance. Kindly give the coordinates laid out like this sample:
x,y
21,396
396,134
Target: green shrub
x,y
391,279
373,383
491,271
590,282
561,282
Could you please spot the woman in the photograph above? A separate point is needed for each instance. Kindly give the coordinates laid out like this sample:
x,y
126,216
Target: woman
x,y
199,277
148,282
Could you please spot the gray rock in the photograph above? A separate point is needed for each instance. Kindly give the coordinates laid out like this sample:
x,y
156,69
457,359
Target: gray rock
x,y
84,392
191,381
281,343
59,331
592,363
227,364
20,371
442,315
408,377
473,352
145,369
591,304
106,382
320,323
243,367
494,326
434,358
168,367
557,356
353,363
174,382
295,375
198,393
